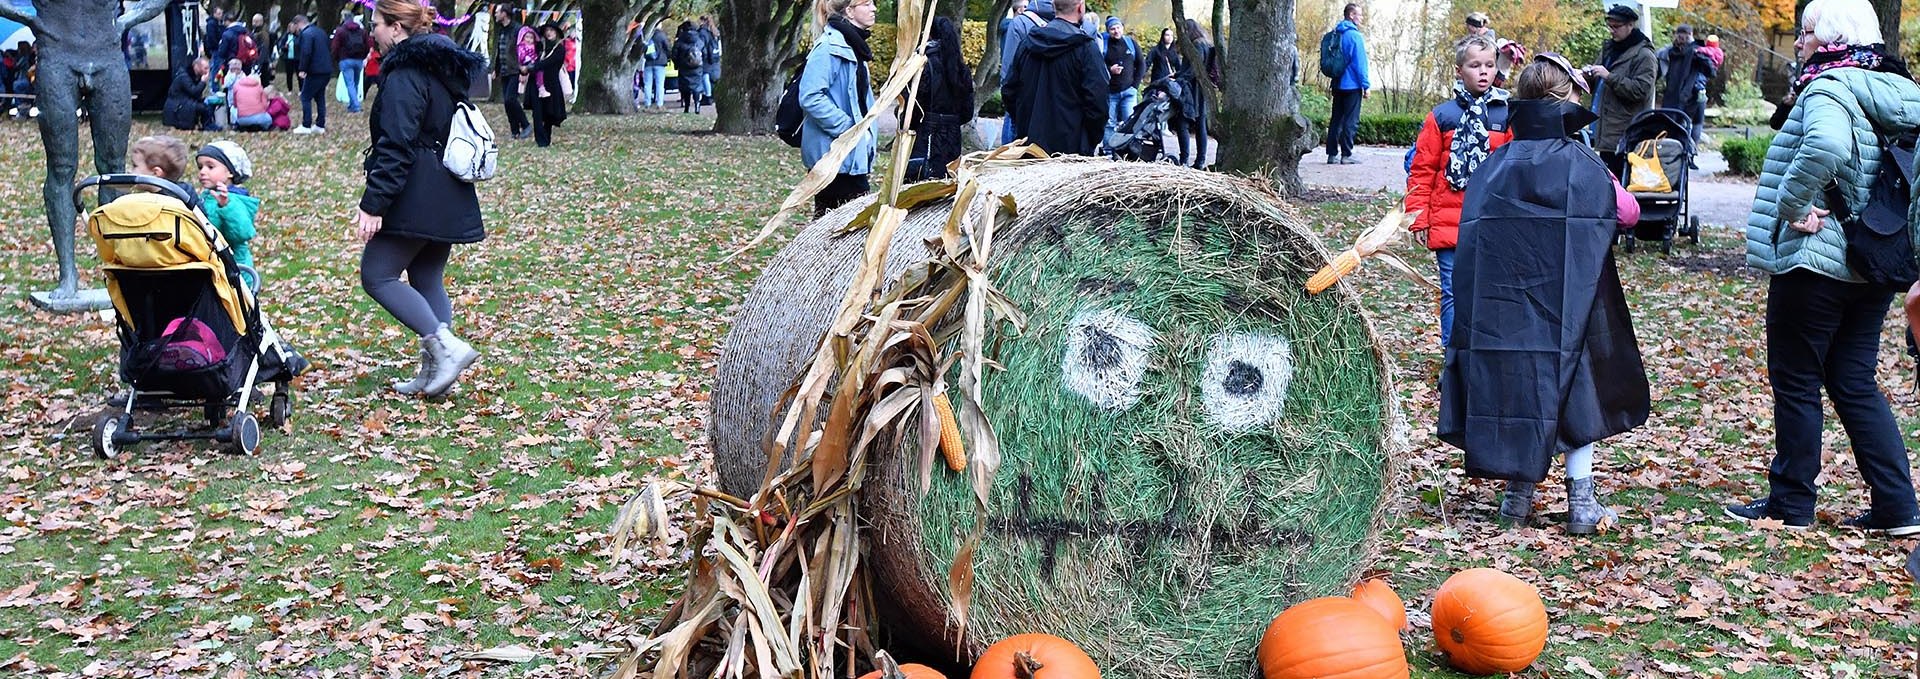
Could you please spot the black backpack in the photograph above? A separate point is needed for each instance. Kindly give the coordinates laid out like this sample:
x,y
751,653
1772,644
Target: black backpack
x,y
353,43
788,118
1333,60
1879,235
689,56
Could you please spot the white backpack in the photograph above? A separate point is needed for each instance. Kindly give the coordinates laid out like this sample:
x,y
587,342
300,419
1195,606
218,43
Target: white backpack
x,y
469,152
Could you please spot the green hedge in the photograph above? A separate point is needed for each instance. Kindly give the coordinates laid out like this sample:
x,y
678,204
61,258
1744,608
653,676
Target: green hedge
x,y
1390,129
1746,156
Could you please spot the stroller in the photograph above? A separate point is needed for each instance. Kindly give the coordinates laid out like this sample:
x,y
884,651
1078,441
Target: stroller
x,y
1663,215
191,333
1142,136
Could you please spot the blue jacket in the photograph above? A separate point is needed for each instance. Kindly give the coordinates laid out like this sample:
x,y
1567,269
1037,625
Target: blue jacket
x,y
1831,121
1354,46
829,85
1013,34
312,53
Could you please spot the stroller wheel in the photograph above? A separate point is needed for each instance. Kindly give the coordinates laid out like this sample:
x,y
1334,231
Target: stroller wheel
x,y
1666,246
105,432
280,409
1629,245
243,433
1693,230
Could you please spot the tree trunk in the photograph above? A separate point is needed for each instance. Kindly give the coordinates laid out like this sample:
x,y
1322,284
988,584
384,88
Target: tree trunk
x,y
1261,128
986,76
608,58
1889,13
1220,28
762,36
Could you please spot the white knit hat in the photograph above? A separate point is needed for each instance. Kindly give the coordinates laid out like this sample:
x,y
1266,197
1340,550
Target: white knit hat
x,y
232,156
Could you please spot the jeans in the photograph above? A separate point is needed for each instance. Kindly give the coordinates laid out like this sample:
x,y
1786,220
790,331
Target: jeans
x,y
1007,133
256,122
313,94
1823,332
653,86
706,86
1444,260
1344,123
1119,107
351,71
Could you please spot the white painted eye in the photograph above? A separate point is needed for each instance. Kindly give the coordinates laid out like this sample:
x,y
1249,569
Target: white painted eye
x,y
1245,383
1106,357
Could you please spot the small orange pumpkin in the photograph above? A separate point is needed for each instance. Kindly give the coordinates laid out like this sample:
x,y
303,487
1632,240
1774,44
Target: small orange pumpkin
x,y
1331,637
1489,622
1375,594
912,671
1034,656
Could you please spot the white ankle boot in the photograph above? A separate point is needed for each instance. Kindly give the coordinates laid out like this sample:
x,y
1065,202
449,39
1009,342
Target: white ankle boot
x,y
421,376
449,356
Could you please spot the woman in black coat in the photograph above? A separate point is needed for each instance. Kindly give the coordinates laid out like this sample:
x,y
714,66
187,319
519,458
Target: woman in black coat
x,y
549,109
414,209
186,106
945,104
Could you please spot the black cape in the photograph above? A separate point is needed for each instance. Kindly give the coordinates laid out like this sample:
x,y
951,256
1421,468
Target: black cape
x,y
1543,357
1057,93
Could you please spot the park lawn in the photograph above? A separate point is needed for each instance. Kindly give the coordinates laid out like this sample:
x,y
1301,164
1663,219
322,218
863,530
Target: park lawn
x,y
385,535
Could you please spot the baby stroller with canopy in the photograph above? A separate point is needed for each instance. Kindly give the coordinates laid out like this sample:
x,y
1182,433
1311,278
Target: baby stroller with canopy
x,y
1664,216
191,333
1142,136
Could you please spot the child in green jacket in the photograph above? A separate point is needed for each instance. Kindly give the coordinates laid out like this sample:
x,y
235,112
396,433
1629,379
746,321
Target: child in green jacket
x,y
224,166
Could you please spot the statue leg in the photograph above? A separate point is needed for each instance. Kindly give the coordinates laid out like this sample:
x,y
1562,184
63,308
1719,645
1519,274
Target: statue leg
x,y
110,118
57,88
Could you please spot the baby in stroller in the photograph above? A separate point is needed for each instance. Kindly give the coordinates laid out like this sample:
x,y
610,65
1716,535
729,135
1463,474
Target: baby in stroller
x,y
191,333
1143,136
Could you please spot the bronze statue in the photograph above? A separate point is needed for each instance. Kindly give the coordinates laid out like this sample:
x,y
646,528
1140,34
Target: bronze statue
x,y
80,65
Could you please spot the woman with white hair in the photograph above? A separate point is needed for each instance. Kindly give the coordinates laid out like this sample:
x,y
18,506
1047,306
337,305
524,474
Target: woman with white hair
x,y
1823,312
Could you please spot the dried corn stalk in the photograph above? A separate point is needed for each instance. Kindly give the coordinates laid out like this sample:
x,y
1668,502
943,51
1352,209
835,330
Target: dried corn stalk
x,y
1372,243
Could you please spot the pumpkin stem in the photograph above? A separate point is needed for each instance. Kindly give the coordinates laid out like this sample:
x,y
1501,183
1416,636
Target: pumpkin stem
x,y
1024,666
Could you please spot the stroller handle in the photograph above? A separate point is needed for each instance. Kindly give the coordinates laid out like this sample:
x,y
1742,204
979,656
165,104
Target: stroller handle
x,y
164,186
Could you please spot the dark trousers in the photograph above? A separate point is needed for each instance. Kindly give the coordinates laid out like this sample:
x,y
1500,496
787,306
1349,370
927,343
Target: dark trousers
x,y
516,114
842,190
293,76
1616,163
421,303
1826,333
542,130
314,94
1345,122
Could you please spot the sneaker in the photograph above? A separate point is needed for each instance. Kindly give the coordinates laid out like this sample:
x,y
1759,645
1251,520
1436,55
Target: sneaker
x,y
317,130
1348,160
302,130
1758,510
1333,160
1898,528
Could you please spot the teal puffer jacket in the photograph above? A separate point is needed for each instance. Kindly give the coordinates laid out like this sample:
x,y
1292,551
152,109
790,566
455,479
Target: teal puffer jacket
x,y
1832,120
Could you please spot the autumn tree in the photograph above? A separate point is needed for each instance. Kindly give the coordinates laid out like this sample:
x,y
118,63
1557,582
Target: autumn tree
x,y
607,49
1261,128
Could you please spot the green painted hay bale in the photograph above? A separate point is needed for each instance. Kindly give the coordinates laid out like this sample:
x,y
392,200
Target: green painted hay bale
x,y
1191,442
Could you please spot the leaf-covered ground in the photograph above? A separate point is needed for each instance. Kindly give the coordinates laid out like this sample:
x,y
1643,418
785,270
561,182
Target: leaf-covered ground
x,y
390,537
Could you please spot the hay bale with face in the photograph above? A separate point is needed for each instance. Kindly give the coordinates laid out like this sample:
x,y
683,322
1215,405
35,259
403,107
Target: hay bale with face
x,y
1191,442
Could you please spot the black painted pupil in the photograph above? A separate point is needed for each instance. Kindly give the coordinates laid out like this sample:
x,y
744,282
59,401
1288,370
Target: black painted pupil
x,y
1242,379
1102,349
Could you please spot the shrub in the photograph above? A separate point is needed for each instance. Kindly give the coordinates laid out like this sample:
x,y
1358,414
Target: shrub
x,y
1746,156
1390,129
992,107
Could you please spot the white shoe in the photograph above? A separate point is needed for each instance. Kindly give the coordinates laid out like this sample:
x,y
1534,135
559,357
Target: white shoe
x,y
316,130
302,130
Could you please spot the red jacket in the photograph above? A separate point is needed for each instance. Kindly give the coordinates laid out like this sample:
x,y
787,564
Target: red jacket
x,y
1428,192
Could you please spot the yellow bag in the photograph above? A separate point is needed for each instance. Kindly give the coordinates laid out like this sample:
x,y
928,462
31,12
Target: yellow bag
x,y
1644,173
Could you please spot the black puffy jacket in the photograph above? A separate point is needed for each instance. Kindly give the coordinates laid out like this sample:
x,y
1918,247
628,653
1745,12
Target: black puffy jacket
x,y
406,184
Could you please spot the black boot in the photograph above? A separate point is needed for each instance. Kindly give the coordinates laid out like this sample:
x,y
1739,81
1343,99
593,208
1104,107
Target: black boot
x,y
1585,511
1516,505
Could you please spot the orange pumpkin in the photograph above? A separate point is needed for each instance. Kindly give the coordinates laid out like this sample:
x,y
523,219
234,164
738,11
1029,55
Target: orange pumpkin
x,y
1331,637
1489,622
912,671
1375,594
1034,656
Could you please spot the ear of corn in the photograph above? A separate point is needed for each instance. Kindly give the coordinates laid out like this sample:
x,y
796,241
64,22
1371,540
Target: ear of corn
x,y
1341,266
950,446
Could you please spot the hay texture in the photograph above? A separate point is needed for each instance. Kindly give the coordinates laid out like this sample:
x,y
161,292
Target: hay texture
x,y
1191,442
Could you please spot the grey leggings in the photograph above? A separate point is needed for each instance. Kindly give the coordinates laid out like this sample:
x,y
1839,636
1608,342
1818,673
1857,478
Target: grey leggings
x,y
421,302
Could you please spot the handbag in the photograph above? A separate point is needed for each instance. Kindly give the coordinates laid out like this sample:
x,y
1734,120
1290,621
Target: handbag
x,y
1644,174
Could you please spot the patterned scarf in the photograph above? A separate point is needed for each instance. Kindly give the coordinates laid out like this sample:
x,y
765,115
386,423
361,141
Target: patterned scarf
x,y
1470,145
1838,55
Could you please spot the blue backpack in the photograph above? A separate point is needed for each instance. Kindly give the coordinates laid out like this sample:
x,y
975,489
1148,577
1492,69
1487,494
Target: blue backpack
x,y
1333,60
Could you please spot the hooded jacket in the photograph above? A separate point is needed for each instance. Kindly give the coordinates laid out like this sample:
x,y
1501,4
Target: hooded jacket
x,y
1354,45
829,89
1428,192
658,50
185,98
312,53
1057,93
1833,119
1543,357
1627,89
1684,67
406,183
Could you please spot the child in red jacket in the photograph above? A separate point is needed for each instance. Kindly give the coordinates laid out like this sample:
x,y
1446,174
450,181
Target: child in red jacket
x,y
1457,136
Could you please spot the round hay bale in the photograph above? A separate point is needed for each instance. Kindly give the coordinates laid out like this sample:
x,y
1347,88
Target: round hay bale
x,y
1191,442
